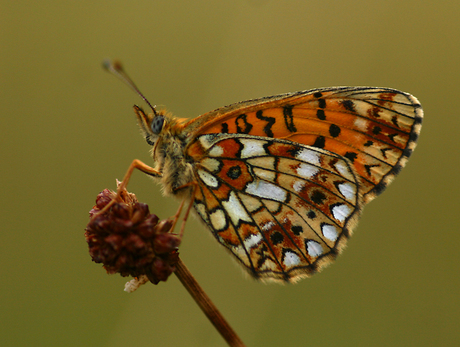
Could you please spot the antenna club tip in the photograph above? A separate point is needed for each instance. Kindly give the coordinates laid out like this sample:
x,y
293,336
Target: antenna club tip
x,y
115,68
109,64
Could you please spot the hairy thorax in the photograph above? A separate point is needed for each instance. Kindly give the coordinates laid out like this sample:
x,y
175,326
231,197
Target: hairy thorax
x,y
176,172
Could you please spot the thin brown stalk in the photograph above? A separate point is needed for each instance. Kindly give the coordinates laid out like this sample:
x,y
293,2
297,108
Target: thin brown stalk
x,y
206,305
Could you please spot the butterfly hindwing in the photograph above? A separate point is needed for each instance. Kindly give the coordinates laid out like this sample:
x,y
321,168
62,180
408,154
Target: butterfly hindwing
x,y
283,209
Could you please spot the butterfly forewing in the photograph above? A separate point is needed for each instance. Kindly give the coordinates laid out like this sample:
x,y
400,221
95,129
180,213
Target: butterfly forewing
x,y
283,209
374,128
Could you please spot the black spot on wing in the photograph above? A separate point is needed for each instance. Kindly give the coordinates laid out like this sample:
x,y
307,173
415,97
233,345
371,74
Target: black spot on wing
x,y
392,137
289,118
320,142
377,130
384,152
334,130
320,114
294,150
242,125
351,156
368,168
276,237
270,121
322,103
311,214
349,105
234,172
240,149
297,230
318,197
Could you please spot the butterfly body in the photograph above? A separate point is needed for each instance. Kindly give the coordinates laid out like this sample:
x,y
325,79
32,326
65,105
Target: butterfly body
x,y
281,181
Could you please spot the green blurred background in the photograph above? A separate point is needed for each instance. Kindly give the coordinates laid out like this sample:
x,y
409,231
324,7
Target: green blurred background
x,y
68,130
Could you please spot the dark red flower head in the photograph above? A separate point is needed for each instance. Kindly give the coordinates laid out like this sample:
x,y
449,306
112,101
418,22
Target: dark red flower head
x,y
129,240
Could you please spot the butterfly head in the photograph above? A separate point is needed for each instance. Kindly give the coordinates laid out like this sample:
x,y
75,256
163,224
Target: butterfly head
x,y
151,124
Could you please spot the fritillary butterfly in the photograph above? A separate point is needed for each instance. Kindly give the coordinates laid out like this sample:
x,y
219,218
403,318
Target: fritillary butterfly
x,y
281,181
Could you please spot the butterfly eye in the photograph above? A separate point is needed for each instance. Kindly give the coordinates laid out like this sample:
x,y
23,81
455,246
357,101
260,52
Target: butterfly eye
x,y
157,124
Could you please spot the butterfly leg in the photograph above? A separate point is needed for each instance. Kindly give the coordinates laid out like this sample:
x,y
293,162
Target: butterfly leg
x,y
136,164
187,212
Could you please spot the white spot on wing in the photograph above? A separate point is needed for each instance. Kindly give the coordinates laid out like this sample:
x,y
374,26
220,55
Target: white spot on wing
x,y
314,249
206,141
291,259
252,148
266,190
298,186
309,156
218,221
201,209
361,123
341,212
268,226
208,179
252,240
362,108
235,210
348,190
216,151
307,171
342,168
329,232
210,164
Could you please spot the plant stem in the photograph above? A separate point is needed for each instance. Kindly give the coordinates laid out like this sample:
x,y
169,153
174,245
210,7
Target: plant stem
x,y
206,305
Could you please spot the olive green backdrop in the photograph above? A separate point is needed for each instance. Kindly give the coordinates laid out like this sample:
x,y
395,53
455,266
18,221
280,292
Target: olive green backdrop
x,y
68,130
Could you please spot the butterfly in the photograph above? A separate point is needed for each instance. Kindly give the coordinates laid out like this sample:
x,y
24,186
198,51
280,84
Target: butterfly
x,y
281,181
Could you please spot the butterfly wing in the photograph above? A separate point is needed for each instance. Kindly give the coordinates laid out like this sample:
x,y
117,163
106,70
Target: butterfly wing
x,y
283,209
375,128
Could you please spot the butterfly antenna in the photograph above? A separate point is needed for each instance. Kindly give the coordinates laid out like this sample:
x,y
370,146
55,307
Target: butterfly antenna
x,y
114,67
